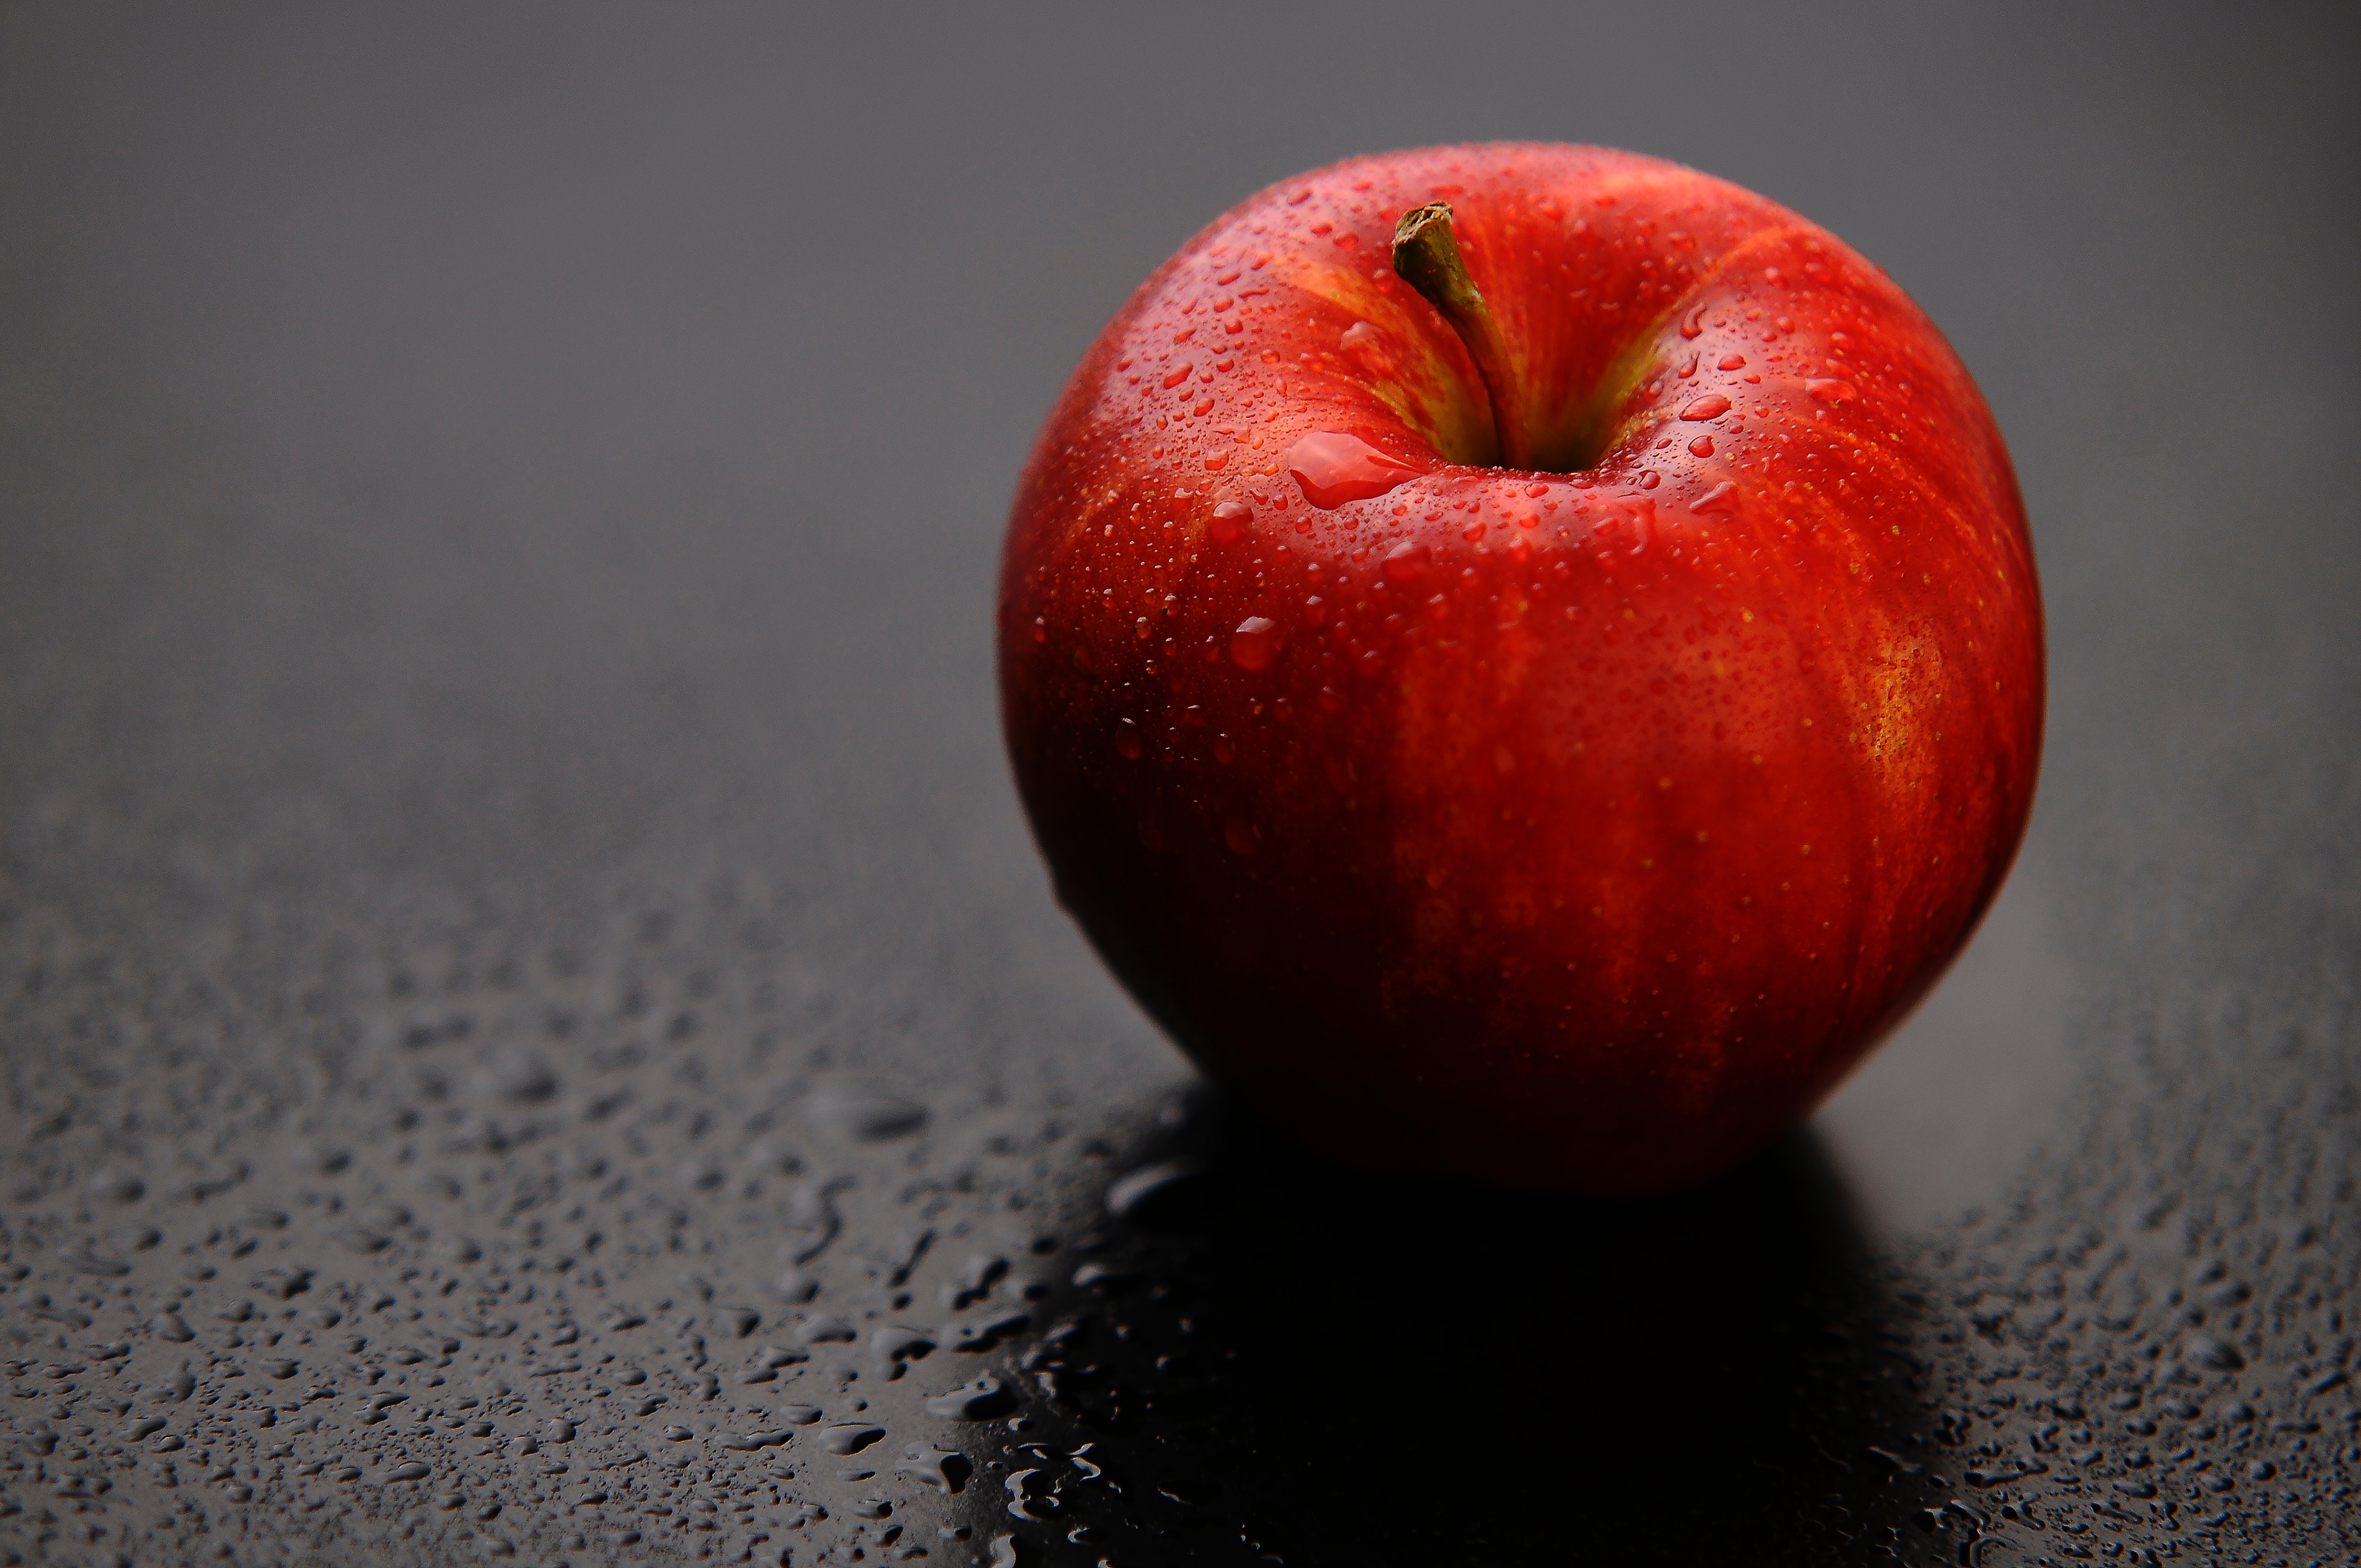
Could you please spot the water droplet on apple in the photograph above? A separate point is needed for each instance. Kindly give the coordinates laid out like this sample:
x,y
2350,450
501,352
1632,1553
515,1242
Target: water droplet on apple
x,y
1126,739
1712,405
1240,835
1828,389
1406,562
1333,468
1722,498
1253,643
1231,520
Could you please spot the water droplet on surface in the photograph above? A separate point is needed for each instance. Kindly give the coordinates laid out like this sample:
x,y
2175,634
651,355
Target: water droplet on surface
x,y
1712,405
1333,468
749,1443
892,1345
1157,1193
809,1208
521,1075
1253,643
934,1467
864,1112
1828,389
2219,1355
1230,522
117,1186
985,1333
828,1330
413,1470
1028,1495
850,1437
1240,835
977,1401
1701,447
1126,739
133,1238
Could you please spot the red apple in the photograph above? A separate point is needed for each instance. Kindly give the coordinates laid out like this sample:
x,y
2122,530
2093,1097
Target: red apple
x,y
1547,739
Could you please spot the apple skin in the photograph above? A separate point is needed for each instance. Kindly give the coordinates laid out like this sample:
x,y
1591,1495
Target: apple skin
x,y
1574,830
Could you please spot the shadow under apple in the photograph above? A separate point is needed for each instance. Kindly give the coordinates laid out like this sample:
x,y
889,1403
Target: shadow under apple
x,y
1261,1356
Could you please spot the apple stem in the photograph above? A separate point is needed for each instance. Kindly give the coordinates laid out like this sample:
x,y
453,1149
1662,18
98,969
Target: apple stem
x,y
1426,257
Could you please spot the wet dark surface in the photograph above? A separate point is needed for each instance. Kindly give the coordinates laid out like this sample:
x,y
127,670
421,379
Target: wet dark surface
x,y
534,1029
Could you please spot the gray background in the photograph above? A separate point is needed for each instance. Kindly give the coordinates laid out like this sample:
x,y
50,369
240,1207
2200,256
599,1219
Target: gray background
x,y
497,525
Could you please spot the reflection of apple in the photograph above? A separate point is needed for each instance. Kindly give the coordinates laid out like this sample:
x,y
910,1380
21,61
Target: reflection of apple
x,y
1576,822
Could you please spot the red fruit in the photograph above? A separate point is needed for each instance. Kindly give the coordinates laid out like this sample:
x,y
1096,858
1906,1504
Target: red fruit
x,y
1581,825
